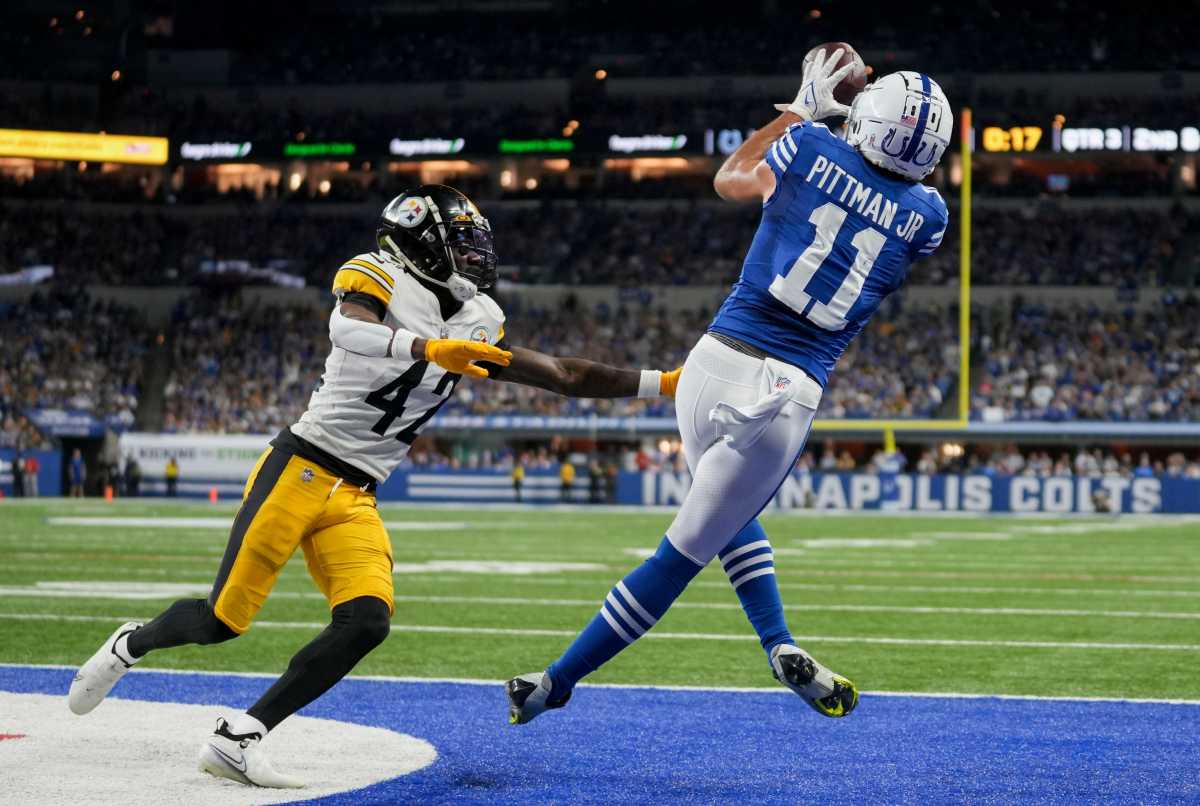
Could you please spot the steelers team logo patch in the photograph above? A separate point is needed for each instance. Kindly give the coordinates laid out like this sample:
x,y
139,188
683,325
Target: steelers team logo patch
x,y
412,211
480,333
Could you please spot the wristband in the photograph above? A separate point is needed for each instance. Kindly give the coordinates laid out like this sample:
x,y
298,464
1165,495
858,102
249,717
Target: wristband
x,y
401,345
650,383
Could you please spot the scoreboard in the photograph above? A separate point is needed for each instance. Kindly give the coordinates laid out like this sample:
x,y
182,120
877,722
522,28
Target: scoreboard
x,y
1074,139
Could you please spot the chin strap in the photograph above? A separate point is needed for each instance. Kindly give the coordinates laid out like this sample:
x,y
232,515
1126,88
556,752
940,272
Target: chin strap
x,y
459,287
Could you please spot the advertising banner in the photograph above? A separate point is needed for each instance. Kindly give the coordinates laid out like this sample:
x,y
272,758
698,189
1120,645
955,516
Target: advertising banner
x,y
224,462
47,145
952,493
205,461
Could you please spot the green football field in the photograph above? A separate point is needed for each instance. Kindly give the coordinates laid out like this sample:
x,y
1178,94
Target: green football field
x,y
1081,607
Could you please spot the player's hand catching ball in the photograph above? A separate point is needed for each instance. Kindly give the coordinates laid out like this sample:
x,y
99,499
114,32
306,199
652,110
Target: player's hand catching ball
x,y
669,382
456,355
815,100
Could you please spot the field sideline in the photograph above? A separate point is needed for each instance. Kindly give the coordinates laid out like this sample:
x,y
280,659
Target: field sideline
x,y
1077,608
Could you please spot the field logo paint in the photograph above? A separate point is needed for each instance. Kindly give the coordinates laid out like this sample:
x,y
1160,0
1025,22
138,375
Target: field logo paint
x,y
158,743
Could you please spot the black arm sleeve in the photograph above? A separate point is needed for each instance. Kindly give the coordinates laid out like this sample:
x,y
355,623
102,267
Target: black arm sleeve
x,y
373,304
494,370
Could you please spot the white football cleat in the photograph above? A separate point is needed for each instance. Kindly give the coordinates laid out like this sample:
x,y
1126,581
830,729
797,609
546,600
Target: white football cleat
x,y
828,693
240,757
528,696
96,678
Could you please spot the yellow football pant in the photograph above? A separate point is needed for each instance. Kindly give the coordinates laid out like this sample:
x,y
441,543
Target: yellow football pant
x,y
288,502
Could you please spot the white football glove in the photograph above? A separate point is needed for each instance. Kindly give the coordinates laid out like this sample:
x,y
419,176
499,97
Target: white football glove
x,y
815,100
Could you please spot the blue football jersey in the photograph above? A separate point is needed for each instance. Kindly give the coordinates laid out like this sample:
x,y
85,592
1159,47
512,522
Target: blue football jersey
x,y
835,239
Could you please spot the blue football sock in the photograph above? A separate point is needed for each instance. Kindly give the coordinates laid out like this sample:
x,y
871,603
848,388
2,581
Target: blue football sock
x,y
750,564
632,607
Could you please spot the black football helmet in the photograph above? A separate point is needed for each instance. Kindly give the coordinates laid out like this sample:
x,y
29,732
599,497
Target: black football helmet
x,y
439,234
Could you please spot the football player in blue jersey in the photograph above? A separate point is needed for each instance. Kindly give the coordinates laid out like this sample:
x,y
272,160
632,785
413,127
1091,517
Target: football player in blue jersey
x,y
842,221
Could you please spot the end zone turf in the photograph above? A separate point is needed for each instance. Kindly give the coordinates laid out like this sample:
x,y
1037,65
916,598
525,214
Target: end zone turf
x,y
637,745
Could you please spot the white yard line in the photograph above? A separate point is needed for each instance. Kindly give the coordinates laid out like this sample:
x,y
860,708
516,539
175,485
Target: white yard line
x,y
474,681
951,590
677,636
110,591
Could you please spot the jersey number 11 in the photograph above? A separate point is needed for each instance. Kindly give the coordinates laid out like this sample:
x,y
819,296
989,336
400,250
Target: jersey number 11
x,y
791,289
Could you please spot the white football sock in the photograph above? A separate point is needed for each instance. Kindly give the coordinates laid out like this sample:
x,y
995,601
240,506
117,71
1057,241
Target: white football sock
x,y
244,723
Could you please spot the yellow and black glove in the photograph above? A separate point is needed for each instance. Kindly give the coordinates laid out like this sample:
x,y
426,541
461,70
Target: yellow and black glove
x,y
457,355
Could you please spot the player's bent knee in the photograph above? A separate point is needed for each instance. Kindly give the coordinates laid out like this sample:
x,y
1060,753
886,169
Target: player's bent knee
x,y
367,619
216,631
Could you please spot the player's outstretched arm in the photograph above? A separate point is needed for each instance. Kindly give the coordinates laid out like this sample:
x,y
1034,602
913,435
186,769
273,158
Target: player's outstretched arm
x,y
578,377
356,326
746,176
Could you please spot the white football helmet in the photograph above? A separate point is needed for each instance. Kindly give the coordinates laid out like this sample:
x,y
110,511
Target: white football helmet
x,y
902,123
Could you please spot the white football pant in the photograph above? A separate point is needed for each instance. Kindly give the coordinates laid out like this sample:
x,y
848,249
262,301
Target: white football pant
x,y
744,422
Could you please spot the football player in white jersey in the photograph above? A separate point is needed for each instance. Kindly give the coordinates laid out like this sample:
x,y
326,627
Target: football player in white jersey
x,y
409,322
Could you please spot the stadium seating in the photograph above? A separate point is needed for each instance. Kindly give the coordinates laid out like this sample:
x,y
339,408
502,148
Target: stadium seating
x,y
63,350
580,243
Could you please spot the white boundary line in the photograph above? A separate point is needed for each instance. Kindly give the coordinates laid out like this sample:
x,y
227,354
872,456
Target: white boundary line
x,y
474,681
677,636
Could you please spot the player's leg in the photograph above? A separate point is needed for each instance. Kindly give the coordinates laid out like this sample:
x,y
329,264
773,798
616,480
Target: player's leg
x,y
275,513
350,558
748,559
729,488
749,563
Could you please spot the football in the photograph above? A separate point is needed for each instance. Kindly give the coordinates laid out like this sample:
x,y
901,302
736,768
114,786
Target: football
x,y
853,83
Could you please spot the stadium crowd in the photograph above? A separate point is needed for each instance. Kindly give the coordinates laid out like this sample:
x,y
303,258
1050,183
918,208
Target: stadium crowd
x,y
618,242
240,367
66,351
244,367
1085,364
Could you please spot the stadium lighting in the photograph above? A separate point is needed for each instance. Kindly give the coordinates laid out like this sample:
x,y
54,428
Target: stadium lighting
x,y
531,184
324,187
601,74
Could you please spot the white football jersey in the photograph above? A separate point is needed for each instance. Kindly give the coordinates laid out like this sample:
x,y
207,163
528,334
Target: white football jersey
x,y
368,411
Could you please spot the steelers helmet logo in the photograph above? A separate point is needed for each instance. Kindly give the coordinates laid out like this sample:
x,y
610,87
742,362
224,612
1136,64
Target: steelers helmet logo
x,y
480,333
411,212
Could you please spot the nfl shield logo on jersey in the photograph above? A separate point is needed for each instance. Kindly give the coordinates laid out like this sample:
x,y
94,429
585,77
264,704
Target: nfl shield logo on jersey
x,y
782,383
307,475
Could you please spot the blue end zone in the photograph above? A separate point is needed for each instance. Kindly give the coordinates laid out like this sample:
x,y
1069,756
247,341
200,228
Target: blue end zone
x,y
648,745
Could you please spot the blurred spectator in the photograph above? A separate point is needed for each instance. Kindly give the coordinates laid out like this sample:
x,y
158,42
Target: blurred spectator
x,y
76,474
172,475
